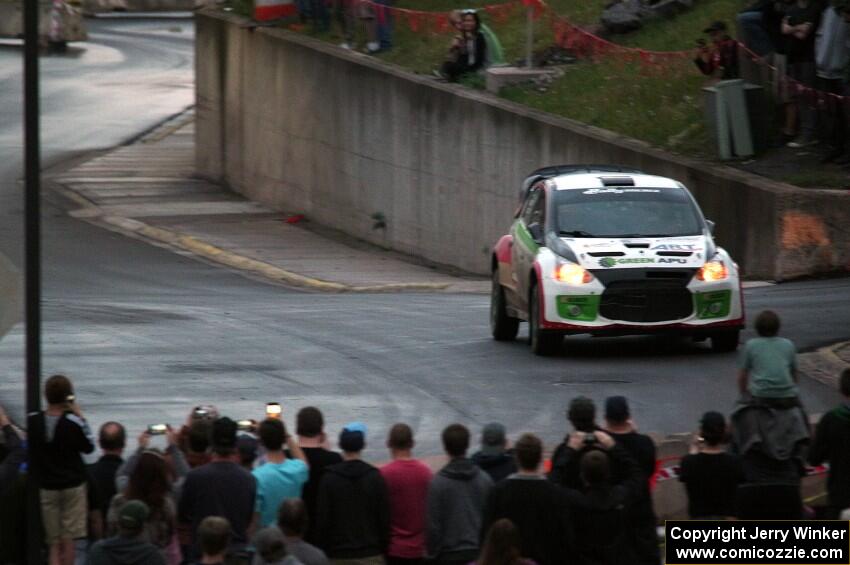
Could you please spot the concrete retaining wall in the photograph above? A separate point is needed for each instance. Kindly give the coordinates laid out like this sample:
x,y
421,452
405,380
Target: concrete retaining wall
x,y
302,126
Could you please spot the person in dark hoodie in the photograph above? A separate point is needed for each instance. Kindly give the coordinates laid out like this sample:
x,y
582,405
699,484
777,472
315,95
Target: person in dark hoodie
x,y
832,437
494,457
641,448
537,507
456,501
128,547
353,522
601,531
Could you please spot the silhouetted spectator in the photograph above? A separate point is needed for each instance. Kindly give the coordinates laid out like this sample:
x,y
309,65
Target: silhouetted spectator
x,y
710,474
832,445
248,448
214,539
798,30
292,521
101,486
582,416
13,502
270,549
280,477
456,501
759,24
494,457
407,484
641,448
537,507
13,454
309,426
129,546
220,488
354,509
502,546
150,482
768,365
198,443
57,439
832,56
720,57
468,50
601,507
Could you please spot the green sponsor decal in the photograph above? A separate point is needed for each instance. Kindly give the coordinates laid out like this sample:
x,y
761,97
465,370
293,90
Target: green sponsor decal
x,y
715,304
581,308
609,262
524,236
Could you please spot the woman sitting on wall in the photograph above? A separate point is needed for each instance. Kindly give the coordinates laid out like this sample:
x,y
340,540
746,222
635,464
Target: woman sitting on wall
x,y
468,50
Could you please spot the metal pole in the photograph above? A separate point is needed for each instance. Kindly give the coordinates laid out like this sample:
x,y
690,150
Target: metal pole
x,y
32,253
529,37
32,208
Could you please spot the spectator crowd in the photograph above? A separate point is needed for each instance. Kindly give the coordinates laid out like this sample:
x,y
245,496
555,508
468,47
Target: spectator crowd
x,y
806,41
242,492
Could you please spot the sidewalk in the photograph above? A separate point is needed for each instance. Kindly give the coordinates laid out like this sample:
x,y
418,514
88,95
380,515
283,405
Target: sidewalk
x,y
147,190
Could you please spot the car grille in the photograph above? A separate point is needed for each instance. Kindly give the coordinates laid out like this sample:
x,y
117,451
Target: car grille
x,y
649,300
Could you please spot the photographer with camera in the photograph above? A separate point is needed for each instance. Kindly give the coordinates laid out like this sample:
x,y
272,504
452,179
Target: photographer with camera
x,y
719,58
586,436
58,437
177,465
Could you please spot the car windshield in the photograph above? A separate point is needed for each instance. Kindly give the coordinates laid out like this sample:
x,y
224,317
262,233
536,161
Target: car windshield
x,y
625,212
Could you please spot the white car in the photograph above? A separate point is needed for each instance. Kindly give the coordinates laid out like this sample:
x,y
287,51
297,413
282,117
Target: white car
x,y
611,251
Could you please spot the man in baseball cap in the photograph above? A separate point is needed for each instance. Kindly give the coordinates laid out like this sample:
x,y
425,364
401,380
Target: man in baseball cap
x,y
128,546
353,519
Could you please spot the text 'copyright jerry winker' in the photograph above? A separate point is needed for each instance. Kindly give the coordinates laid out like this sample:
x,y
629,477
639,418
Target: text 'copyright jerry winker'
x,y
810,542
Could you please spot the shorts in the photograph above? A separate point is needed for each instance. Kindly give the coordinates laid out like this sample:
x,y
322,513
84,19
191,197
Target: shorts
x,y
63,513
803,73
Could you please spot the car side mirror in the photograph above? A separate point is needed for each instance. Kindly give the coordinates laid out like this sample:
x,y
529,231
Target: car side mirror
x,y
536,231
710,226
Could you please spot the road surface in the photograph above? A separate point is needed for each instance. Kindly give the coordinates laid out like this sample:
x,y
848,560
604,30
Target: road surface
x,y
146,333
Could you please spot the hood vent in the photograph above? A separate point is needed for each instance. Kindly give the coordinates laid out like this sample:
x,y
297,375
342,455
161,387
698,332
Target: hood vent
x,y
637,245
606,254
675,253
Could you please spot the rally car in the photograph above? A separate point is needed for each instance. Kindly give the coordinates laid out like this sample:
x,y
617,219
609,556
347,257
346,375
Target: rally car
x,y
607,250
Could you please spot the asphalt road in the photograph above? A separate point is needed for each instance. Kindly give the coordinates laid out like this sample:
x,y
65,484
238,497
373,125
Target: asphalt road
x,y
146,333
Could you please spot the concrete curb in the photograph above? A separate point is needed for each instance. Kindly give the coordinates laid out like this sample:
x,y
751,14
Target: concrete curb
x,y
235,261
128,226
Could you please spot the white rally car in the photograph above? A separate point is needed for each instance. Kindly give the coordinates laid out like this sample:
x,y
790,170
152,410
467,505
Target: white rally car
x,y
611,251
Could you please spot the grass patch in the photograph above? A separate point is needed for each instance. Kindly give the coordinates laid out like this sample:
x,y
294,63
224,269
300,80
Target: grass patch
x,y
683,31
620,97
817,178
664,109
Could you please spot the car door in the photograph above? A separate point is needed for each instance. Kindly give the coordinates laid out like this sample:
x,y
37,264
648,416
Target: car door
x,y
524,250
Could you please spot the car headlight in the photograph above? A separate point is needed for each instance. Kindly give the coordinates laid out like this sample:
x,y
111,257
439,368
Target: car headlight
x,y
713,271
571,273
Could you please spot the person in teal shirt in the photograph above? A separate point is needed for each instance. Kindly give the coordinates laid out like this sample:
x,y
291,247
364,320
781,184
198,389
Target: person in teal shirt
x,y
768,364
280,477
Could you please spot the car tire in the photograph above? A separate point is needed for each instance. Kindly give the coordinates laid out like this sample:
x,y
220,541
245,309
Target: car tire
x,y
503,327
725,342
543,342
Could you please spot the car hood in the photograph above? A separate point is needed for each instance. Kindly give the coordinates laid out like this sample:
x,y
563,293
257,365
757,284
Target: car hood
x,y
635,253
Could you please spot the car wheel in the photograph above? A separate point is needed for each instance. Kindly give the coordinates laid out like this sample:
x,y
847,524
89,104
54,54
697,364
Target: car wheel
x,y
724,342
504,327
543,342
